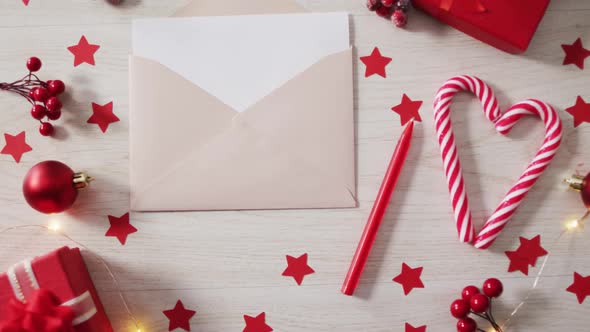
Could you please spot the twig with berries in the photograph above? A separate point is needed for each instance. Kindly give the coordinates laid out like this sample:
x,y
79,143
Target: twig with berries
x,y
40,94
473,301
395,10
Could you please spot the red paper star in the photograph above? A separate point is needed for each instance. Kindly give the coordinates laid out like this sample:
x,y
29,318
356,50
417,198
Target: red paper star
x,y
575,53
410,328
102,115
297,268
16,146
120,228
83,52
375,63
526,254
408,109
517,262
580,287
580,111
179,317
531,249
256,324
409,278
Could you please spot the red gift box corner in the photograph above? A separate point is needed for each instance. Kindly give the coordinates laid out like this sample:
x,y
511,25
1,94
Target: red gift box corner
x,y
64,273
505,24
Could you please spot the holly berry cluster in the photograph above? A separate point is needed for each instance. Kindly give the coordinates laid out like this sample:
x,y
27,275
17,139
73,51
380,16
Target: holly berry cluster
x,y
42,95
395,10
473,301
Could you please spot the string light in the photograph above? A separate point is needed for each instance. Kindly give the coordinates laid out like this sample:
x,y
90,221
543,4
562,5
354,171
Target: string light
x,y
572,225
54,226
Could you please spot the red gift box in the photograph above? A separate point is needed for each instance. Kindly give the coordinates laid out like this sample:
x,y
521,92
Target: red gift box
x,y
63,274
506,24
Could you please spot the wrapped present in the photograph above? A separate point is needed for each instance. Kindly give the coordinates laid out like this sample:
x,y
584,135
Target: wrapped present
x,y
53,293
506,24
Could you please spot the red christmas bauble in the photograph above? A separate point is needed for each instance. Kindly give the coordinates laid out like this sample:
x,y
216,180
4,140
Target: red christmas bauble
x,y
581,184
586,191
52,186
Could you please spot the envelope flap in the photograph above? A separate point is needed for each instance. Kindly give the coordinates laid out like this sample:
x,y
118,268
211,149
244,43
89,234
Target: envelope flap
x,y
239,7
319,103
167,117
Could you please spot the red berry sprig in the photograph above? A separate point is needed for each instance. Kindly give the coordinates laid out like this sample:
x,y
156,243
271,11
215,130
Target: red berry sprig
x,y
473,301
395,10
43,96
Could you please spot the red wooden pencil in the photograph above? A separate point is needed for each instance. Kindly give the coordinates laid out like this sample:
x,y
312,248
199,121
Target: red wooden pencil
x,y
379,207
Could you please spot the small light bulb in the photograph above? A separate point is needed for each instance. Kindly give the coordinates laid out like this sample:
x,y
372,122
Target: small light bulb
x,y
572,225
54,226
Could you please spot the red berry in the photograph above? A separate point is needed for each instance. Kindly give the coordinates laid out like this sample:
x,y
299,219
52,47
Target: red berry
x,y
53,103
40,94
468,292
31,94
492,287
459,308
387,3
372,5
38,112
383,11
466,325
399,18
479,303
33,64
53,115
46,129
56,87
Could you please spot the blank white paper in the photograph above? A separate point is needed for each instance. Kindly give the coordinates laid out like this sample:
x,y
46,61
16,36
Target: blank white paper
x,y
241,59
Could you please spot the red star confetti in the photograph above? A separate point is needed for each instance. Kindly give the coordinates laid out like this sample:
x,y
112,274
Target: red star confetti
x,y
26,2
531,249
517,262
580,287
179,317
410,328
408,109
83,52
120,228
103,115
575,54
580,111
409,278
375,63
256,324
297,268
16,146
526,254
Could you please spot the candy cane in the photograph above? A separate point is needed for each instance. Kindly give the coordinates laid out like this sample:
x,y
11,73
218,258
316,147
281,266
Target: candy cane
x,y
503,124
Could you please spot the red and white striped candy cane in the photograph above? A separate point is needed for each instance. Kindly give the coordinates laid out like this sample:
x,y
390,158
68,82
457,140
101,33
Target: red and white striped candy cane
x,y
503,124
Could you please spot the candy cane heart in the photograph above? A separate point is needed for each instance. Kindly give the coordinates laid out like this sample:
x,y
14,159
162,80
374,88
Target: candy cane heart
x,y
503,124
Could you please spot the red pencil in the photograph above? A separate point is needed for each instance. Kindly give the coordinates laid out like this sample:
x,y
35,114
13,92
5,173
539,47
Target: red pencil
x,y
379,207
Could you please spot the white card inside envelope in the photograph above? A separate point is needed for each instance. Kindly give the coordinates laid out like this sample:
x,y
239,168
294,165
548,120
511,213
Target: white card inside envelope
x,y
241,59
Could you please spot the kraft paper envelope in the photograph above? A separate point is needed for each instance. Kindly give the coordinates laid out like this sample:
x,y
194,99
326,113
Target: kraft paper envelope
x,y
223,121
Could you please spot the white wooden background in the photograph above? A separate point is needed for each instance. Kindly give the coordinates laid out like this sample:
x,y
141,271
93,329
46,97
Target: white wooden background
x,y
226,264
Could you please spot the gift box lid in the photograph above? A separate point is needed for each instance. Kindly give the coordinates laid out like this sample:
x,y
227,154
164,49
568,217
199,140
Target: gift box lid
x,y
505,24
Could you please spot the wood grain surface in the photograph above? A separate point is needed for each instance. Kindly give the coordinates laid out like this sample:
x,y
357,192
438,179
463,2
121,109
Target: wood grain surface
x,y
227,264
